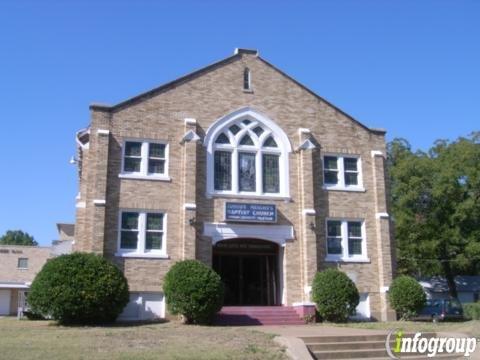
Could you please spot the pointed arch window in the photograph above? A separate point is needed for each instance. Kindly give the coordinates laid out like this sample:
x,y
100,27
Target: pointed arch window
x,y
247,157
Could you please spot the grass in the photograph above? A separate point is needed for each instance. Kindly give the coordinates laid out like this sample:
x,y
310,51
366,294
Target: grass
x,y
26,339
471,327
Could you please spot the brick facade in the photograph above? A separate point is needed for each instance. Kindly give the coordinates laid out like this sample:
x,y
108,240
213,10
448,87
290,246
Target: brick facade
x,y
206,96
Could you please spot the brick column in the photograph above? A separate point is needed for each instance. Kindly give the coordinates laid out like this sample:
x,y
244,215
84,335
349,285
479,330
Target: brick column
x,y
190,142
307,236
384,250
97,196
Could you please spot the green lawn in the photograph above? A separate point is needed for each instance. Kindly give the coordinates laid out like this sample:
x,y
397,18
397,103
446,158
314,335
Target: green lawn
x,y
45,340
468,327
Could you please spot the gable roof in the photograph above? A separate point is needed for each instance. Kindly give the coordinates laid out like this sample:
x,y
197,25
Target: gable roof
x,y
237,54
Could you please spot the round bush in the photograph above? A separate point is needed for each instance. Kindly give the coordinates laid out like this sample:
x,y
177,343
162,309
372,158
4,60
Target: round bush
x,y
193,290
472,311
406,296
335,295
79,288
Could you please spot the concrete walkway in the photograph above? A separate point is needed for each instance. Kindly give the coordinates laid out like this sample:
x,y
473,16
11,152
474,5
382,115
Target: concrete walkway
x,y
289,336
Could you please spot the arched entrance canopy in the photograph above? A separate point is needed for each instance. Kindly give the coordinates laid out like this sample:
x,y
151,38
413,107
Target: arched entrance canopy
x,y
278,234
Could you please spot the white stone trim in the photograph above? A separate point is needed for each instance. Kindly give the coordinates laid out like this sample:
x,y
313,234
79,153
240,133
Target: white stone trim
x,y
310,212
190,121
304,131
81,205
145,177
142,255
99,202
376,153
190,206
384,289
14,286
382,215
279,234
190,135
307,289
306,145
303,303
103,132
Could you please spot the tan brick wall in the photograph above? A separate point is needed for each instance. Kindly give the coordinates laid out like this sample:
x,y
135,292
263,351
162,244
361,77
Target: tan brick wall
x,y
9,255
207,98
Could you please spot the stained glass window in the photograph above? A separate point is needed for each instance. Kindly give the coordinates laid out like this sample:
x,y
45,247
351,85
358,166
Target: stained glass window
x,y
223,170
246,172
271,173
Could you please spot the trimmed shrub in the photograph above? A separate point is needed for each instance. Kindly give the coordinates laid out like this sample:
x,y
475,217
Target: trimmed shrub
x,y
472,311
406,296
194,291
335,295
79,288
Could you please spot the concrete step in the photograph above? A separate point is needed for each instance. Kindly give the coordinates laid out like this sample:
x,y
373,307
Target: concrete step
x,y
352,338
368,354
258,315
424,357
348,345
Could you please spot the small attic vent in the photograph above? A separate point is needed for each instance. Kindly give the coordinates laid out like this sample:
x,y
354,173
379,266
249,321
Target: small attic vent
x,y
246,79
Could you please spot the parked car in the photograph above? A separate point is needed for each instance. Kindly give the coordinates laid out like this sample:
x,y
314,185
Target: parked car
x,y
441,310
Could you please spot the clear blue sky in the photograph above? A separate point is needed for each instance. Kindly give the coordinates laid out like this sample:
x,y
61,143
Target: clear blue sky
x,y
412,67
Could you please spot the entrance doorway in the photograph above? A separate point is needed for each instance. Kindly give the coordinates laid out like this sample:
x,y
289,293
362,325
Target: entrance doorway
x,y
249,271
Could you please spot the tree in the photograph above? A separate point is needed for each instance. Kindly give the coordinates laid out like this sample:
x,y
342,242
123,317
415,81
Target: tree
x,y
436,207
17,237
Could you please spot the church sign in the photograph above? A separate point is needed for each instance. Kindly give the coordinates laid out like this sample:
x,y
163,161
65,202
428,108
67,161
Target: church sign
x,y
264,213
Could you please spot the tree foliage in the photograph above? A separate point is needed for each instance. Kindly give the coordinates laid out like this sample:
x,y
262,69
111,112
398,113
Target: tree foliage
x,y
79,288
335,295
436,207
406,296
194,290
17,237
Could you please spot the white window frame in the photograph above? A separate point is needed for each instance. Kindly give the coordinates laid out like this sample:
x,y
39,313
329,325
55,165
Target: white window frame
x,y
270,129
143,173
341,173
140,251
345,256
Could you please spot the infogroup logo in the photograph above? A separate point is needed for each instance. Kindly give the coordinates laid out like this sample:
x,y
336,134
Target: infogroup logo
x,y
427,345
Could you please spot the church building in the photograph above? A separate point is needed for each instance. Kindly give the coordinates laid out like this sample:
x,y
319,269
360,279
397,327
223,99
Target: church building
x,y
242,167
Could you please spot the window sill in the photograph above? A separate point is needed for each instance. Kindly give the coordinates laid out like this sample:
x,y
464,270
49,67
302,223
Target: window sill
x,y
144,177
347,260
336,188
248,91
249,196
142,255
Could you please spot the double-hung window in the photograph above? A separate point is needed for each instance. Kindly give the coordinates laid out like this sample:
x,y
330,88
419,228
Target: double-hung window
x,y
145,159
342,172
346,240
142,233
